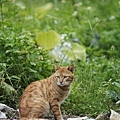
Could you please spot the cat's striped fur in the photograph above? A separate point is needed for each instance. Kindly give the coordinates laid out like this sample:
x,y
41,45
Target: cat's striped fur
x,y
41,96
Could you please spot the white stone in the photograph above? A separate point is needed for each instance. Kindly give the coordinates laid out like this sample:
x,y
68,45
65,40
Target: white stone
x,y
2,115
80,118
114,115
6,109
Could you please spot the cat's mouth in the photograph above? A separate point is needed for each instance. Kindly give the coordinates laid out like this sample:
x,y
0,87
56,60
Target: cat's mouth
x,y
61,84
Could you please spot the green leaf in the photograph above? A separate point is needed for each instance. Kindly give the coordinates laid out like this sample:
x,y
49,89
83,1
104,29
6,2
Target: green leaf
x,y
77,52
33,63
48,40
15,77
33,71
7,87
116,84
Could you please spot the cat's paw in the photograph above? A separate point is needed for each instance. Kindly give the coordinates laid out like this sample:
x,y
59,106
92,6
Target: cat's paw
x,y
59,119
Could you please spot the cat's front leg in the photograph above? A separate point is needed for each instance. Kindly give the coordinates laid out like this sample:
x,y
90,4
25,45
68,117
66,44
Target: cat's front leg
x,y
56,111
55,106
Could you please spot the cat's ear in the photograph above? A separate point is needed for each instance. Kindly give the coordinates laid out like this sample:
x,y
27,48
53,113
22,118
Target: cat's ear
x,y
56,67
71,68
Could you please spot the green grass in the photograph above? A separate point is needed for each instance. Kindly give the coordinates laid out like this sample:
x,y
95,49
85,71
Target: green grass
x,y
96,87
92,82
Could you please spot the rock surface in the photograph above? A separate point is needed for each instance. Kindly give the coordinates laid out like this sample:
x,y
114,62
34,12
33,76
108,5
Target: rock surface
x,y
114,115
14,115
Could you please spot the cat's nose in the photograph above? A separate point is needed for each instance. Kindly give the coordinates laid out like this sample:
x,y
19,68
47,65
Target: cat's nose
x,y
61,82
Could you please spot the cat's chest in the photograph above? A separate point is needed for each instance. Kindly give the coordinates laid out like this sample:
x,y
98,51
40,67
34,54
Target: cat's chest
x,y
63,97
59,94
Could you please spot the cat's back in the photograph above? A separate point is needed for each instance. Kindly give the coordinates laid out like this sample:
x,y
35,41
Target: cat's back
x,y
36,89
36,85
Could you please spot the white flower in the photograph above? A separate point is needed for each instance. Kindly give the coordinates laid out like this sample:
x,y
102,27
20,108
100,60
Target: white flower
x,y
75,13
112,17
63,1
78,4
96,19
67,44
63,36
88,8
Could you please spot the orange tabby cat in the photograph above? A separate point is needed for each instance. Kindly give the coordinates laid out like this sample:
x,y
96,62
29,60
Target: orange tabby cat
x,y
41,96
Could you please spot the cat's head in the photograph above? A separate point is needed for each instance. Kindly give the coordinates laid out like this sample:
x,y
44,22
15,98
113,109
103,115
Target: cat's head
x,y
64,75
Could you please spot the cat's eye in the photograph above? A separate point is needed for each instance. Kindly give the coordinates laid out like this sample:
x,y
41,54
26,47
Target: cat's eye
x,y
57,76
68,80
65,76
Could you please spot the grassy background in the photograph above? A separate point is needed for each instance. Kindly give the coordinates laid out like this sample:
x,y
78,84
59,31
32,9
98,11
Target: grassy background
x,y
92,24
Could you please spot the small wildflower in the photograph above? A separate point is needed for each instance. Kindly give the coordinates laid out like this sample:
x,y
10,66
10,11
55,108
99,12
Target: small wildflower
x,y
88,8
112,17
96,19
63,1
75,13
78,4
